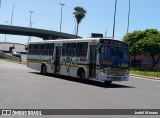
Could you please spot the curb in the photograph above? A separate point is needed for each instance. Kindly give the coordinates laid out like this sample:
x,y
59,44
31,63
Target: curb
x,y
146,77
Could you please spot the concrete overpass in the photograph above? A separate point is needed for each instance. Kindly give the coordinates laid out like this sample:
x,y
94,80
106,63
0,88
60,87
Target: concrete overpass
x,y
41,33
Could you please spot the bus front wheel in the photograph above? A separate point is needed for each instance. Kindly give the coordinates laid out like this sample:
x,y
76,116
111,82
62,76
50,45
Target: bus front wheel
x,y
43,70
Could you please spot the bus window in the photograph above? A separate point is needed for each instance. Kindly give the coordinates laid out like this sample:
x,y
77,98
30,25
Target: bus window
x,y
39,46
64,49
81,50
51,48
71,49
45,48
31,48
35,46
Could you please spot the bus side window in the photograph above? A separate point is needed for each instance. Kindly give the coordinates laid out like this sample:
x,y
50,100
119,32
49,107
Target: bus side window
x,y
45,49
39,47
35,49
64,49
81,50
71,49
51,49
31,49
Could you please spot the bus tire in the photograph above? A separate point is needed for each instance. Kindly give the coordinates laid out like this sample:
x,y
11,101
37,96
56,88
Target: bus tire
x,y
108,82
43,69
81,73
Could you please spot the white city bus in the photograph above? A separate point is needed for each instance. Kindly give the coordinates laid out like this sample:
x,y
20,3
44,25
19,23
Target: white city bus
x,y
91,58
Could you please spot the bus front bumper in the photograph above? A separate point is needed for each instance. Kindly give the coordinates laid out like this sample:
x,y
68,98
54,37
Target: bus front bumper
x,y
105,77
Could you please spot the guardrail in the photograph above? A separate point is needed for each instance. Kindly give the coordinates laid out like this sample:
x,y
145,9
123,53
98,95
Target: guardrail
x,y
9,57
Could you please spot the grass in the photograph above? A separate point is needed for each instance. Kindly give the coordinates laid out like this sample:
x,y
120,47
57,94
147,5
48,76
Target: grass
x,y
150,73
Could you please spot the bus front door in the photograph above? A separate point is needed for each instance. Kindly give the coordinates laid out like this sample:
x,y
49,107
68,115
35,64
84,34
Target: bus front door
x,y
57,61
92,62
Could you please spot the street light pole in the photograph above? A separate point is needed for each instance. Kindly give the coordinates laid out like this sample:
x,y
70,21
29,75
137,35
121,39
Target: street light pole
x,y
114,17
0,3
128,16
61,15
12,14
30,25
6,34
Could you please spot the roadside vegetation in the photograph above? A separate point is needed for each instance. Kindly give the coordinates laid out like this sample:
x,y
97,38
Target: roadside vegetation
x,y
144,43
140,71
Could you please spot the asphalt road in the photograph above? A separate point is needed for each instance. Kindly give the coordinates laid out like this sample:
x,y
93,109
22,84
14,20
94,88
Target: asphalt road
x,y
24,88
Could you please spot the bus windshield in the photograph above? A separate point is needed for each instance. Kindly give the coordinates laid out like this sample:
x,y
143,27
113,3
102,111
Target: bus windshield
x,y
114,57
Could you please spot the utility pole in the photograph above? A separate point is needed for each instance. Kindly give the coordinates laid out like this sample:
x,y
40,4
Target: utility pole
x,y
61,15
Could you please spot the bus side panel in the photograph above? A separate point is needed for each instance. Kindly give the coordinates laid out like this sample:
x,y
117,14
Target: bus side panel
x,y
48,60
51,65
35,66
68,66
34,62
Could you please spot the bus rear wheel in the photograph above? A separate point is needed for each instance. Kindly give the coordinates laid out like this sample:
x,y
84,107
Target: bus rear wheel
x,y
43,70
81,75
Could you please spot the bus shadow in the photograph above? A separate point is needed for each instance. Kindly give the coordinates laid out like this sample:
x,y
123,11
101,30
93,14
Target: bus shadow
x,y
88,82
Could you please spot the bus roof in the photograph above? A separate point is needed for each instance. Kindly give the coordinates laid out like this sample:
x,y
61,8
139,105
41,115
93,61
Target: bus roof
x,y
73,40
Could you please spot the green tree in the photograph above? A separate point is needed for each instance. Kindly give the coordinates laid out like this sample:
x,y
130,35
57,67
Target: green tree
x,y
150,45
144,42
132,39
79,13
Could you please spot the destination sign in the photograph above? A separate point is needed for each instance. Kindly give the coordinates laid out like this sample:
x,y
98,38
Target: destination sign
x,y
113,42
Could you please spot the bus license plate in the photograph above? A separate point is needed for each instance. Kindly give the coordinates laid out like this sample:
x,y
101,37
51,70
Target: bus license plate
x,y
117,78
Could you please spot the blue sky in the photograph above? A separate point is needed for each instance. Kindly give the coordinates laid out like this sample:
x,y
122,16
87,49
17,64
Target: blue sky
x,y
99,18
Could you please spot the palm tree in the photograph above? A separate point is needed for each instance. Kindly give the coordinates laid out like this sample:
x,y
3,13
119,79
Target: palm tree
x,y
79,13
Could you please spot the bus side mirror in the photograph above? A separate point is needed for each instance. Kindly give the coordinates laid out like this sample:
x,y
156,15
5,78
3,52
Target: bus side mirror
x,y
99,50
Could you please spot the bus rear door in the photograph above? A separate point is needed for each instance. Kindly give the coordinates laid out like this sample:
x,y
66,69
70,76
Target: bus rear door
x,y
92,61
57,60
